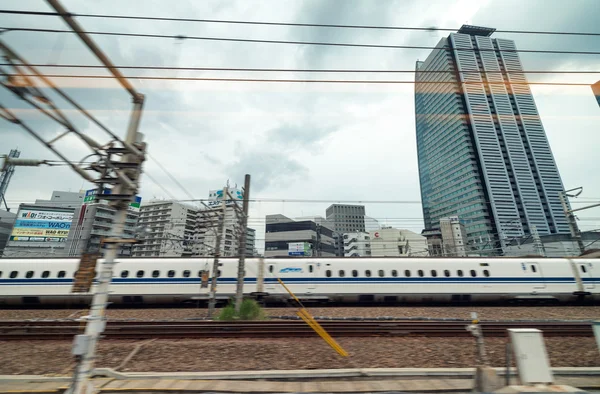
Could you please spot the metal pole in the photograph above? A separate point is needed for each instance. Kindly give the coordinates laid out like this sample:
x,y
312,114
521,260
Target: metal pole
x,y
96,322
215,269
575,234
239,290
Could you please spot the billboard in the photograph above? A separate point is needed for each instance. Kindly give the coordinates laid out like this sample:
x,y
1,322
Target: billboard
x,y
299,249
215,197
90,197
41,225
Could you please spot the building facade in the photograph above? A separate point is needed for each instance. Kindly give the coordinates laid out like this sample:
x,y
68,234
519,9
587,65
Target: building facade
x,y
482,150
393,242
345,219
7,221
166,229
454,237
250,242
280,231
205,240
357,244
93,222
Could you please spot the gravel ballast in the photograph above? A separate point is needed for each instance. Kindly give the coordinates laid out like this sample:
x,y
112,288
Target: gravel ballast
x,y
53,357
484,312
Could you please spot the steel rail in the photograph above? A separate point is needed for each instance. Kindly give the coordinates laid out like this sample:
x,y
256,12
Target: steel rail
x,y
46,330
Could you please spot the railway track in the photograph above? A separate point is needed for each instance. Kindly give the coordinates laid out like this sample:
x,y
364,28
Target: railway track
x,y
65,329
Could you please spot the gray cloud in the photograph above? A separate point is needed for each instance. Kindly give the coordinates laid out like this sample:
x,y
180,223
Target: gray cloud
x,y
268,169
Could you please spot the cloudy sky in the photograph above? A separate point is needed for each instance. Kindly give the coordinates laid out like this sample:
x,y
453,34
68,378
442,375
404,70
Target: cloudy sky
x,y
308,141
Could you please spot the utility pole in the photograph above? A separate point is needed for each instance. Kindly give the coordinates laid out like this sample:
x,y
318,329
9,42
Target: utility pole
x,y
239,289
118,165
537,241
575,233
212,295
5,175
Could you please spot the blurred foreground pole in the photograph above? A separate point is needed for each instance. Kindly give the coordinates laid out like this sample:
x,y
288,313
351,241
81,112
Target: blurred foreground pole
x,y
239,290
124,180
212,294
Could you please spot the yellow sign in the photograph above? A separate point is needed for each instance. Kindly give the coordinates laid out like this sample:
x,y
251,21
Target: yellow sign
x,y
39,232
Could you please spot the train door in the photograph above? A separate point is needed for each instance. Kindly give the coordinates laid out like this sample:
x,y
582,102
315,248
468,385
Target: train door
x,y
311,274
535,271
271,277
585,273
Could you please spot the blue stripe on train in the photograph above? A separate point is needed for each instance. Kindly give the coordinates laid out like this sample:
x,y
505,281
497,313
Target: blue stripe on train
x,y
116,281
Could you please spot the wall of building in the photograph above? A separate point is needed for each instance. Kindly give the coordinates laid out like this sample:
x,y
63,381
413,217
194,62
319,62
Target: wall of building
x,y
93,222
397,242
280,231
166,229
357,244
7,220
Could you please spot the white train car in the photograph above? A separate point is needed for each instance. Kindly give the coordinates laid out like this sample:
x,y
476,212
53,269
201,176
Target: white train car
x,y
404,280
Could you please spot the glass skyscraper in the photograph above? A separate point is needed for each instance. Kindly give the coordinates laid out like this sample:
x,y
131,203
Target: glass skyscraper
x,y
482,150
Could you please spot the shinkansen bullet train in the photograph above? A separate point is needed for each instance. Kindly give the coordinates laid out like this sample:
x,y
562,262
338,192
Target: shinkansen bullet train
x,y
403,280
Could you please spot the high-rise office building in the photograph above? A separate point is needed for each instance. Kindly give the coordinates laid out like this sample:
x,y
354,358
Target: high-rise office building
x,y
482,150
345,219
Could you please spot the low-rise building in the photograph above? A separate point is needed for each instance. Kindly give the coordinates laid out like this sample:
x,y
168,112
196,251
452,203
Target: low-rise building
x,y
7,221
280,231
392,242
357,244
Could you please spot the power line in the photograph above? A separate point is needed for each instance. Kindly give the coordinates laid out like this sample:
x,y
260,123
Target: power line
x,y
291,24
335,44
172,177
350,81
300,70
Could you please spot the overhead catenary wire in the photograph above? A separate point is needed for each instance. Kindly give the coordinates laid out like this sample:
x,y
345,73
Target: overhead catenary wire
x,y
264,80
290,42
310,70
289,24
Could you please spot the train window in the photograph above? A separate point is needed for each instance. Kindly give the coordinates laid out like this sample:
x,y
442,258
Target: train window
x,y
420,272
394,273
341,273
61,274
45,274
218,273
381,273
14,274
433,273
124,274
368,273
140,274
407,273
29,274
310,268
447,273
0,274
271,269
328,273
533,268
583,269
486,273
155,273
171,273
186,273
354,273
473,273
